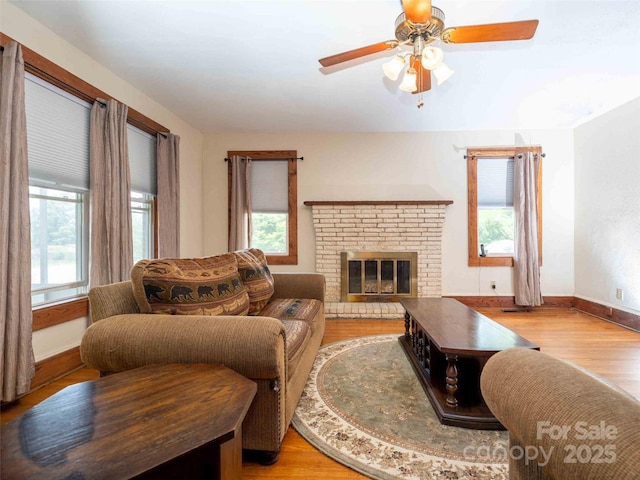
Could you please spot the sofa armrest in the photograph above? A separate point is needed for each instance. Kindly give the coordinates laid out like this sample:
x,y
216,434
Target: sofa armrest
x,y
299,285
551,406
252,346
113,299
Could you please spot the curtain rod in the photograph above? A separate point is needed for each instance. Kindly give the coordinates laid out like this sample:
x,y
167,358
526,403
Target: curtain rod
x,y
474,156
297,158
104,104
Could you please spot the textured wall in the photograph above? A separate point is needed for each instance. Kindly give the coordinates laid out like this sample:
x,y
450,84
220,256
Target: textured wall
x,y
607,213
406,166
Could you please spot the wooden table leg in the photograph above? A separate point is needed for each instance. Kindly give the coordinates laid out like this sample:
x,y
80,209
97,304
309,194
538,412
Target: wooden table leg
x,y
452,379
420,349
407,323
231,458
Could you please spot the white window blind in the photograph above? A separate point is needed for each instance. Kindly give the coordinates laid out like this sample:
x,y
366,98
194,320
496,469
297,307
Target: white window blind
x,y
270,186
57,135
495,182
142,160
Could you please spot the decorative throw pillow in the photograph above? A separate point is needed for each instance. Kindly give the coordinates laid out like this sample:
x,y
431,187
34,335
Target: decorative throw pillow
x,y
255,274
190,286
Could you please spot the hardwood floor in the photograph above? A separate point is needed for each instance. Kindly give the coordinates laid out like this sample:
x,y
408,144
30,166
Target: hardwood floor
x,y
604,348
597,345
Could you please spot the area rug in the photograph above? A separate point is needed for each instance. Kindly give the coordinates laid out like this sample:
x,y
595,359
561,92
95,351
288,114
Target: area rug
x,y
364,407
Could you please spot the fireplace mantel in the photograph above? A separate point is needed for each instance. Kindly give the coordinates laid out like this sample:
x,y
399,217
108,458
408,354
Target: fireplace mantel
x,y
311,203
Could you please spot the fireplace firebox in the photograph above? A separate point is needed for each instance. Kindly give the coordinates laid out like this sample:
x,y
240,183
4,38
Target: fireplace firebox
x,y
378,276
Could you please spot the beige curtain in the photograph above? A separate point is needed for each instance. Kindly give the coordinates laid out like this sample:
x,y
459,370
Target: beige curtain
x,y
240,218
16,352
111,236
525,198
168,167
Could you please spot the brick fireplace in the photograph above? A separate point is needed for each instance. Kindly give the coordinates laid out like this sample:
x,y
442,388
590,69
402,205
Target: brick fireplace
x,y
377,226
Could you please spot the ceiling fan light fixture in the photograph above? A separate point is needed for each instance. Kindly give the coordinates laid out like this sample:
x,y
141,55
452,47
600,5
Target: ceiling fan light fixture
x,y
410,81
442,73
420,27
432,58
393,67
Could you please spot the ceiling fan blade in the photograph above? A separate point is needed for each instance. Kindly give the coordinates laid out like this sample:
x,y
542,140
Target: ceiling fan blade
x,y
491,32
423,76
417,11
358,52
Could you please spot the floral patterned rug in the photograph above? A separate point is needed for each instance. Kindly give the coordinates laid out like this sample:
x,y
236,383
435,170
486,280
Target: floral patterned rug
x,y
364,407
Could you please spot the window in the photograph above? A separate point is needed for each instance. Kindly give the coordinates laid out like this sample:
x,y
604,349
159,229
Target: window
x,y
274,204
142,164
269,207
58,149
52,170
490,204
142,224
495,207
58,244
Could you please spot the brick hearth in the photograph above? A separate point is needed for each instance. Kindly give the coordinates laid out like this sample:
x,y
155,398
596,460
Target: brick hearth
x,y
383,226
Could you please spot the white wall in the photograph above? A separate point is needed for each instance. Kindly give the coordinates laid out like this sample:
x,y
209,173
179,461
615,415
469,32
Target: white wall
x,y
24,29
50,341
406,166
607,213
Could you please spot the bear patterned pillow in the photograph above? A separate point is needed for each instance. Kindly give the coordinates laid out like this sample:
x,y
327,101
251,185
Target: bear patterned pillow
x,y
255,274
190,286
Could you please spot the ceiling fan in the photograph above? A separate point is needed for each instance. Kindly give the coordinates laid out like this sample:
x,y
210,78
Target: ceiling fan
x,y
421,24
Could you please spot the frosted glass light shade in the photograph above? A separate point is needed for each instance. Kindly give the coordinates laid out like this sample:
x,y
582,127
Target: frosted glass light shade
x,y
393,67
442,73
431,58
410,81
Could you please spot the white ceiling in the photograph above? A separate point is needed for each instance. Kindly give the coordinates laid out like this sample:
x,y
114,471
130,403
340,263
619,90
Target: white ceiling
x,y
252,65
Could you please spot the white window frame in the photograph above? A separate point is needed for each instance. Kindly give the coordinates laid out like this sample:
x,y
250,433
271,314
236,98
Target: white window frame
x,y
79,287
149,202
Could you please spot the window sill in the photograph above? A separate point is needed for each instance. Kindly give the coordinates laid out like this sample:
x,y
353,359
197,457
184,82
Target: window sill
x,y
282,259
491,261
49,315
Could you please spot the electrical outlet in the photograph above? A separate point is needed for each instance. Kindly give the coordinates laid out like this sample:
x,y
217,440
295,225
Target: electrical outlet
x,y
619,294
493,284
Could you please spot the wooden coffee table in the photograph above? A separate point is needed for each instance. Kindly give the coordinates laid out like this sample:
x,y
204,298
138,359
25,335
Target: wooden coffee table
x,y
448,345
159,421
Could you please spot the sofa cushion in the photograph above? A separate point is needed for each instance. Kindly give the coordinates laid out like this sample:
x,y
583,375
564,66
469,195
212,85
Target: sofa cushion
x,y
292,309
296,333
255,274
190,286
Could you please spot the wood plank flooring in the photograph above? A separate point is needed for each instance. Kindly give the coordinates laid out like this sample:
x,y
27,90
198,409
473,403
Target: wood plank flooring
x,y
604,348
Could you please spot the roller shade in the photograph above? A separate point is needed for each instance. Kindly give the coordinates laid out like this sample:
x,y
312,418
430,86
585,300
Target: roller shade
x,y
142,160
269,186
57,135
495,182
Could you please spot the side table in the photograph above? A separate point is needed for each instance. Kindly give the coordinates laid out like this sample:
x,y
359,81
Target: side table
x,y
158,421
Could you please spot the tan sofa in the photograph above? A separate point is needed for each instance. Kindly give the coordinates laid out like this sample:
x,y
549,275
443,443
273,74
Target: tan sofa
x,y
276,353
563,421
